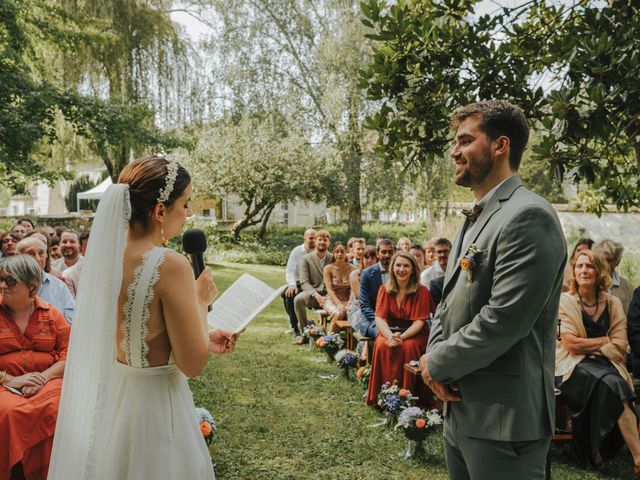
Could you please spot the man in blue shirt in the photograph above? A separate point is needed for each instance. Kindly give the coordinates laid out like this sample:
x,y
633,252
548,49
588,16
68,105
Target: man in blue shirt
x,y
370,281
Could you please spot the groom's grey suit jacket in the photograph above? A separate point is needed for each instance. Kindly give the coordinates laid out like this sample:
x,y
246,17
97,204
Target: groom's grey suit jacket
x,y
494,335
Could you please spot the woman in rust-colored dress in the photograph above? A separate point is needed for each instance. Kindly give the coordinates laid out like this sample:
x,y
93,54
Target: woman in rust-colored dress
x,y
402,310
33,348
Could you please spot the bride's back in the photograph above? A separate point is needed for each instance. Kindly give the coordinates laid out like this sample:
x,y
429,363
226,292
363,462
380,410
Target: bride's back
x,y
140,281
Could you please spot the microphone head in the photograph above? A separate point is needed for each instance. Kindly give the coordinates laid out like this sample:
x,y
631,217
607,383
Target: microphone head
x,y
194,241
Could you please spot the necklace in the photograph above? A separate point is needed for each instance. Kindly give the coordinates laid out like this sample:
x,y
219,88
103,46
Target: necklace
x,y
582,302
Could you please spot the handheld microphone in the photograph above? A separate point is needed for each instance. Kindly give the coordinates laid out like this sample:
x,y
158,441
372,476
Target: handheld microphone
x,y
194,243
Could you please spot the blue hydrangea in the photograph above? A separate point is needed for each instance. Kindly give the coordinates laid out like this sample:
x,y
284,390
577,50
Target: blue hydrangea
x,y
393,404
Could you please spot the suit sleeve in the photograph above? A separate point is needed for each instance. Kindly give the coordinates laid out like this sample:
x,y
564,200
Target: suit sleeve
x,y
530,255
633,323
305,276
366,304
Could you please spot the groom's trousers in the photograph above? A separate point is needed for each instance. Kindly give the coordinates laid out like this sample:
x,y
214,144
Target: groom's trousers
x,y
479,459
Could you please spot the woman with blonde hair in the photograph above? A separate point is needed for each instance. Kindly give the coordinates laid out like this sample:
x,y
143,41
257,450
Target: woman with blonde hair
x,y
402,310
590,365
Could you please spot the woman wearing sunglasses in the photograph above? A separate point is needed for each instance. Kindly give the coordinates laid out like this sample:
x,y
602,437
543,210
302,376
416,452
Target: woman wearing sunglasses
x,y
33,348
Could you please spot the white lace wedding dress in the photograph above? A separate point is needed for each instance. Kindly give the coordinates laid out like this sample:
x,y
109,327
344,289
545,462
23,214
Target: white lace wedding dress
x,y
152,432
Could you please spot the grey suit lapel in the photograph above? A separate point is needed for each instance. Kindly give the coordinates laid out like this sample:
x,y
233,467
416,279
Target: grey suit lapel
x,y
504,192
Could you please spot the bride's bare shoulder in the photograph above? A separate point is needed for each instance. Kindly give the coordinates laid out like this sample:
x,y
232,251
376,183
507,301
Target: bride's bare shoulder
x,y
175,264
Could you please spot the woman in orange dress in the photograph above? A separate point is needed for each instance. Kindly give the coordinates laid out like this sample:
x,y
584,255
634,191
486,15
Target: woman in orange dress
x,y
402,310
33,348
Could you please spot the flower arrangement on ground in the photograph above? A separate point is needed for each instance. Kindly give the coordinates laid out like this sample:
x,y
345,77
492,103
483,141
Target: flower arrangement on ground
x,y
313,332
331,344
206,423
393,400
417,425
363,374
346,361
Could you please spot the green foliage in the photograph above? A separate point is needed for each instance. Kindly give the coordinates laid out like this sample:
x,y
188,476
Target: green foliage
x,y
81,184
431,57
258,159
301,58
32,94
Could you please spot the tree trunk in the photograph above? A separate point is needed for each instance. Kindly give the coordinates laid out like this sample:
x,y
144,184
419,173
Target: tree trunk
x,y
262,233
352,167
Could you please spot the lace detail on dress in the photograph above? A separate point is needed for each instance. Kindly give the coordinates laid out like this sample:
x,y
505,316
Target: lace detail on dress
x,y
128,307
146,313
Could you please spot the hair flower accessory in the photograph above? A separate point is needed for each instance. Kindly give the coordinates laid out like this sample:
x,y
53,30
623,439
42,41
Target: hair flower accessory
x,y
470,259
172,174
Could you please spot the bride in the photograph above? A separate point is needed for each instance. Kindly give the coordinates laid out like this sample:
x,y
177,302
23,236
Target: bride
x,y
139,331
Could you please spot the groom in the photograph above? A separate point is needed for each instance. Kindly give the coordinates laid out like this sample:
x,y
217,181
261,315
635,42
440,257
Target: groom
x,y
492,344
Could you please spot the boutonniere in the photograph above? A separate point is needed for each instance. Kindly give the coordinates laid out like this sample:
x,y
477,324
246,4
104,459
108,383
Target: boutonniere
x,y
470,259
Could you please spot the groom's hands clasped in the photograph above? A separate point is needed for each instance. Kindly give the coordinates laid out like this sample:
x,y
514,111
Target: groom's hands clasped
x,y
446,393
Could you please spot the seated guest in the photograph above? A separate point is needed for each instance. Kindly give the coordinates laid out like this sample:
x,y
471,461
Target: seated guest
x,y
354,314
593,378
418,253
430,252
403,245
54,248
9,242
435,289
350,255
70,251
438,269
27,223
19,229
620,286
49,231
633,332
357,250
52,290
311,274
84,241
293,281
581,244
33,349
370,281
336,281
402,311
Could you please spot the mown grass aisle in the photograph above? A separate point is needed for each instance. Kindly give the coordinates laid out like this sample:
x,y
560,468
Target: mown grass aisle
x,y
277,419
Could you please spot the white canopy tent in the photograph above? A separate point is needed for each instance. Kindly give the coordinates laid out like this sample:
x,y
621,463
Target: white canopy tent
x,y
94,194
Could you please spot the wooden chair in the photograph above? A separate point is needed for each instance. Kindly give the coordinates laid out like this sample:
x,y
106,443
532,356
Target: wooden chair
x,y
345,326
323,319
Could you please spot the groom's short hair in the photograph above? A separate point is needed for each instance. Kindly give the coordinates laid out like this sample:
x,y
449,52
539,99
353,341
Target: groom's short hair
x,y
498,118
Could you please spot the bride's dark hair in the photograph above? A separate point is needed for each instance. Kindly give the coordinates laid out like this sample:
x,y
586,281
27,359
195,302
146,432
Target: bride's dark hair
x,y
146,177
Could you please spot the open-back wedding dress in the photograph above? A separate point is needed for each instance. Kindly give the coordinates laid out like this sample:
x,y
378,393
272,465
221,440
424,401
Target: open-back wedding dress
x,y
125,421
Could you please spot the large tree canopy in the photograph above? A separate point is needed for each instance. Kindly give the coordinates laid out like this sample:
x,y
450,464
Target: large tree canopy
x,y
572,68
260,160
41,42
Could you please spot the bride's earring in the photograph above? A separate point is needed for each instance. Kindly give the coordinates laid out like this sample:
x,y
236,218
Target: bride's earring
x,y
164,241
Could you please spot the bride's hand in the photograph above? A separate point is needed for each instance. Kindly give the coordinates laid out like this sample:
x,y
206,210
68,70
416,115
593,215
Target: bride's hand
x,y
206,289
221,342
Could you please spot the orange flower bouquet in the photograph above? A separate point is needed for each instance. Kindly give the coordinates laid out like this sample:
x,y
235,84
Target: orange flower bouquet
x,y
206,423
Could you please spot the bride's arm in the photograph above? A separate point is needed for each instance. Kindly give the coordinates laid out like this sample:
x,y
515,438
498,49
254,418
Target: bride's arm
x,y
184,305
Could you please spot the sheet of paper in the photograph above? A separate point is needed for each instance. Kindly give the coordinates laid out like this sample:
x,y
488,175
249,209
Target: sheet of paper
x,y
241,303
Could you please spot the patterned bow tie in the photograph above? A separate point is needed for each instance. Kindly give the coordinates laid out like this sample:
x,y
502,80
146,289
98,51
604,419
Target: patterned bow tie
x,y
472,213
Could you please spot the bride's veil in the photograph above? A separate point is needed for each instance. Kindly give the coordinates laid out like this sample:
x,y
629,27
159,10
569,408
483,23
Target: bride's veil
x,y
89,369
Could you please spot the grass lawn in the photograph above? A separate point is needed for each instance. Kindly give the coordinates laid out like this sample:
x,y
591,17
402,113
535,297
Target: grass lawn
x,y
277,419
